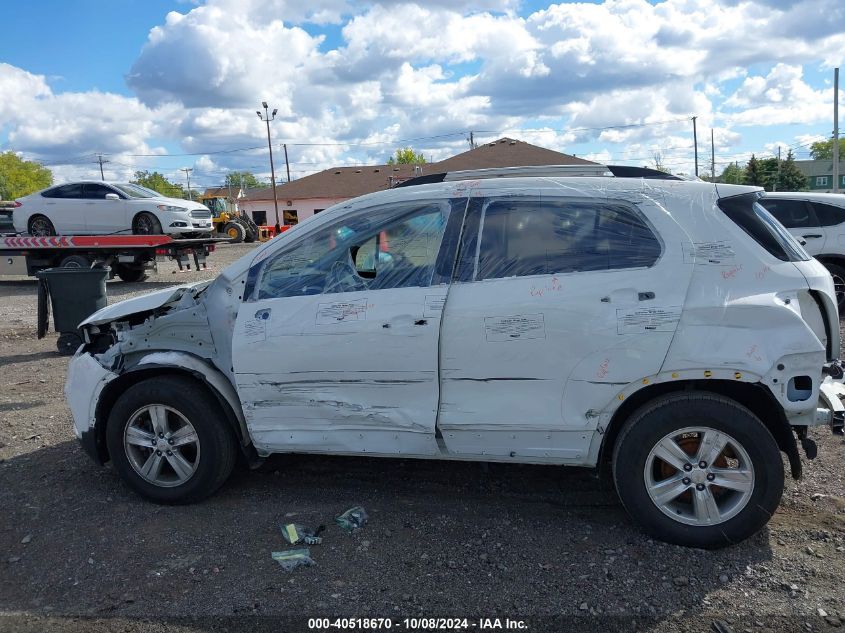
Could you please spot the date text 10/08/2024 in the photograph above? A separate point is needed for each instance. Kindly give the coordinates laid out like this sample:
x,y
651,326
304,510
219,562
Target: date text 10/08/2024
x,y
416,624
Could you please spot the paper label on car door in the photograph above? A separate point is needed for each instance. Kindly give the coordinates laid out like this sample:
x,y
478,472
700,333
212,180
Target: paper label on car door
x,y
255,329
341,312
517,327
719,252
651,319
433,305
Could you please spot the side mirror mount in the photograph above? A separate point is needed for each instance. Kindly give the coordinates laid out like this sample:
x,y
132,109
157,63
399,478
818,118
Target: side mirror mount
x,y
112,196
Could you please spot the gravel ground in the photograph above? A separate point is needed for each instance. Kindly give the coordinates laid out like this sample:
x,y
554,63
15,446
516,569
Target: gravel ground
x,y
550,546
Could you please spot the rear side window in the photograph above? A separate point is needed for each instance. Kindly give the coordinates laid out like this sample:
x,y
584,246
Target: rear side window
x,y
542,237
828,214
752,217
64,191
792,214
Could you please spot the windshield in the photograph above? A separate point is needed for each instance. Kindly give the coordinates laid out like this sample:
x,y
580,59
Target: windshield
x,y
137,191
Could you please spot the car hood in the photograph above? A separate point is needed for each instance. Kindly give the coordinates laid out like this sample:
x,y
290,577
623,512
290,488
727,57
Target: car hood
x,y
146,303
178,202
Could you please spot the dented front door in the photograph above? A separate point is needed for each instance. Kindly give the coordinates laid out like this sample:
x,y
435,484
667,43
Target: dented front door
x,y
336,350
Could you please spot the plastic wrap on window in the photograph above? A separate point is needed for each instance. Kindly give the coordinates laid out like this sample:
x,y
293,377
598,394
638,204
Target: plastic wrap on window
x,y
393,247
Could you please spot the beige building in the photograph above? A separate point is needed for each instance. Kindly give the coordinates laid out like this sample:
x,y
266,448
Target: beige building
x,y
302,198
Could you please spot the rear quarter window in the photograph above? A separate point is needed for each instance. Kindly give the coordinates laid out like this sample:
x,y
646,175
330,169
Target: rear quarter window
x,y
752,217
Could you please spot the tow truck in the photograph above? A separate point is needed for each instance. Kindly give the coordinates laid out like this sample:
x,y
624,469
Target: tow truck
x,y
130,257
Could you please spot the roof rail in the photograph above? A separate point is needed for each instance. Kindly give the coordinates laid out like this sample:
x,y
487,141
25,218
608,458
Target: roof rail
x,y
529,170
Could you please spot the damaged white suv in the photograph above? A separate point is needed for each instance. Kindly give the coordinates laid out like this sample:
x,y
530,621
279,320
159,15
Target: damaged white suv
x,y
673,330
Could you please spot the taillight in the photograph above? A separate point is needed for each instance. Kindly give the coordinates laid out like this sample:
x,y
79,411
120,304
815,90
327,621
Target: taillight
x,y
161,251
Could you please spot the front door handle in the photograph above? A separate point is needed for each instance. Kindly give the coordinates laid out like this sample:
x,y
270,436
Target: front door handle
x,y
645,296
813,236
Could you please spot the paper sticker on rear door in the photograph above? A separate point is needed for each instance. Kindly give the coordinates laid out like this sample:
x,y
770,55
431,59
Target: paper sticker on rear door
x,y
517,327
341,311
651,319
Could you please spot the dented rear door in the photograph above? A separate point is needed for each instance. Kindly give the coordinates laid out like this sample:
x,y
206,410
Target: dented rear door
x,y
336,347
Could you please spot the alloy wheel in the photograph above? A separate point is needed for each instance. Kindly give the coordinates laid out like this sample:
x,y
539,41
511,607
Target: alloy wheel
x,y
162,445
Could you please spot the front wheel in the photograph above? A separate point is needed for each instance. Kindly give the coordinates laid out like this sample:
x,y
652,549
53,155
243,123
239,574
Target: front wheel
x,y
235,232
698,469
146,224
169,440
838,274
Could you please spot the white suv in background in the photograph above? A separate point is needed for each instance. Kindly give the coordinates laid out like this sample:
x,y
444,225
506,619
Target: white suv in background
x,y
102,208
674,331
818,220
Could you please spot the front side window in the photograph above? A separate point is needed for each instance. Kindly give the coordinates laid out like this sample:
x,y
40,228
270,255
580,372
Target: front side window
x,y
792,214
395,246
94,191
523,237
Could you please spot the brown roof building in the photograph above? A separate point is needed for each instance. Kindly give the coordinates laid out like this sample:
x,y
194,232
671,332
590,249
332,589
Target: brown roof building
x,y
306,196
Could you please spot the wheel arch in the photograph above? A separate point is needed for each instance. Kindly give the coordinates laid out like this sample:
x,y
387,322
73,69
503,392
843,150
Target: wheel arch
x,y
753,396
149,367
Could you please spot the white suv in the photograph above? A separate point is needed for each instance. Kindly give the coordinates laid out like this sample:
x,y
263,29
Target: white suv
x,y
818,220
672,330
102,208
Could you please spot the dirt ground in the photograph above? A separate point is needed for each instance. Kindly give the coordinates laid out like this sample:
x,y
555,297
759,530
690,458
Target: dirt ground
x,y
550,547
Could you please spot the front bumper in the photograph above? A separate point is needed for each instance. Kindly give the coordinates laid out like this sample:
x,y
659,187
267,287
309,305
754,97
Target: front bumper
x,y
86,379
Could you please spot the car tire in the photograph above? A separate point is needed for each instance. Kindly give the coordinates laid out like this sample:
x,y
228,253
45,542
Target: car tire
x,y
671,496
235,232
75,261
145,223
181,411
131,274
40,226
838,273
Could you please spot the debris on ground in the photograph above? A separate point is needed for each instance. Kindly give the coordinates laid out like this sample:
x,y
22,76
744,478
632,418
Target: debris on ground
x,y
293,558
353,519
295,534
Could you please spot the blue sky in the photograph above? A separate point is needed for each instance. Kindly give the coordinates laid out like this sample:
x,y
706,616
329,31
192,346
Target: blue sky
x,y
353,79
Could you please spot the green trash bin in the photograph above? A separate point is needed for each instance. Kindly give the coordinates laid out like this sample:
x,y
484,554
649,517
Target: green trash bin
x,y
75,294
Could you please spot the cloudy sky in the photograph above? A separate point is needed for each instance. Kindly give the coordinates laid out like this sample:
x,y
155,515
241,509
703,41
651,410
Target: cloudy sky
x,y
167,84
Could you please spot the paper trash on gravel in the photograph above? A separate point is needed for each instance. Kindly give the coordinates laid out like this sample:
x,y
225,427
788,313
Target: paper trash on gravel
x,y
293,558
295,534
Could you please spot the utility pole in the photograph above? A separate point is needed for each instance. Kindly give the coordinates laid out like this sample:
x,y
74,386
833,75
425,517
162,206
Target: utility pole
x,y
695,144
777,176
836,130
267,118
287,166
101,161
471,140
188,171
712,157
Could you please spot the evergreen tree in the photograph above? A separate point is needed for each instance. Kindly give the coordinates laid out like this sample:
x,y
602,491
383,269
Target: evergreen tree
x,y
752,172
791,178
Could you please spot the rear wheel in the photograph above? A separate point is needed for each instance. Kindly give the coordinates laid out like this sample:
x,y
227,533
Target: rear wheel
x,y
131,273
838,274
40,226
698,469
235,232
146,223
75,261
169,440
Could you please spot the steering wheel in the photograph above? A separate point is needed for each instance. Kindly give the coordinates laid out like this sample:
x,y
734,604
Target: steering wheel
x,y
343,278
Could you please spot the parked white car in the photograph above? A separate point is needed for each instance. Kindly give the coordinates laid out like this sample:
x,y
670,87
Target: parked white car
x,y
671,330
818,220
102,208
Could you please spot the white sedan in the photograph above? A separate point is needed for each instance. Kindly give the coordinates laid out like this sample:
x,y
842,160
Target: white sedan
x,y
99,208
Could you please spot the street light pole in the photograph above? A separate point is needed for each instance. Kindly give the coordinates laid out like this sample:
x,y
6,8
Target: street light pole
x,y
267,118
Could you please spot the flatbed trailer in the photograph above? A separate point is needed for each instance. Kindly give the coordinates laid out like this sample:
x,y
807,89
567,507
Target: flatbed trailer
x,y
128,256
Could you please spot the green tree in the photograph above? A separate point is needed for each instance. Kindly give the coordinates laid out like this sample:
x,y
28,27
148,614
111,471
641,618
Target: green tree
x,y
823,150
791,178
157,182
20,177
753,175
733,174
249,180
406,156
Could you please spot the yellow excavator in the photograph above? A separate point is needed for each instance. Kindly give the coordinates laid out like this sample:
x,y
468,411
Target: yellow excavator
x,y
228,222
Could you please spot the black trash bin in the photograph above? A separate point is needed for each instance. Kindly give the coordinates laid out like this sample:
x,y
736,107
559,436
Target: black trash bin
x,y
75,294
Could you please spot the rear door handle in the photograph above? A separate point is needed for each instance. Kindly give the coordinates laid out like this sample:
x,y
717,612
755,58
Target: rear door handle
x,y
645,296
813,236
